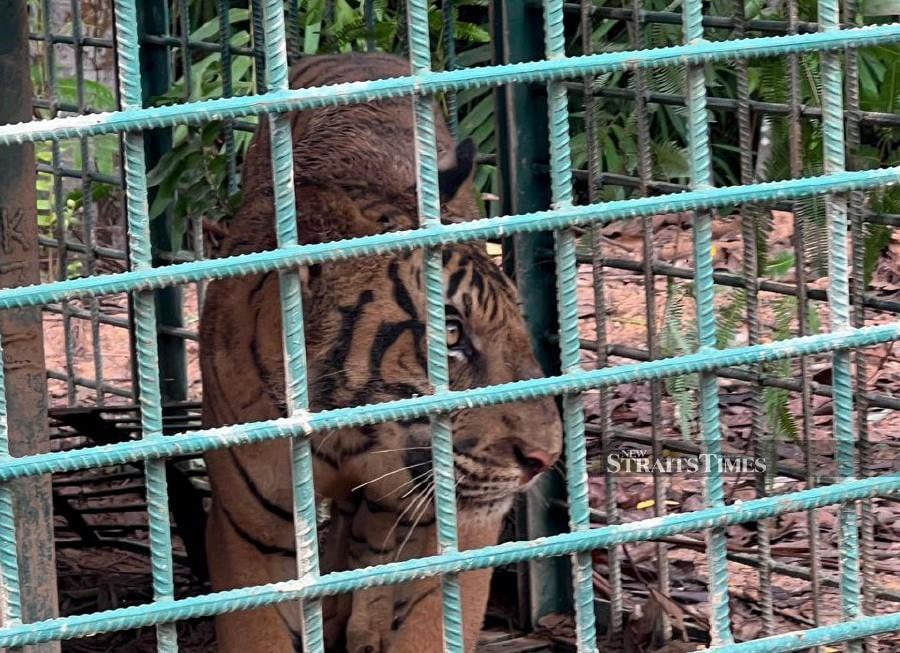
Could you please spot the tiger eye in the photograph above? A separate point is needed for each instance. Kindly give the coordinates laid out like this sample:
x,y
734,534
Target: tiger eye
x,y
453,334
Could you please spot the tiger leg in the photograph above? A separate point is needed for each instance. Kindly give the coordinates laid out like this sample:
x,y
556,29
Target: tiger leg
x,y
372,542
419,617
235,562
336,610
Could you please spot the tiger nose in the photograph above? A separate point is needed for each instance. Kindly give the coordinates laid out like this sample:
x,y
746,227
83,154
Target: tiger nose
x,y
532,461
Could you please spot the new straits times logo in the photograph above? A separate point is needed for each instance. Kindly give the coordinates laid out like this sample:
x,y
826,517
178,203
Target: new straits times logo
x,y
639,461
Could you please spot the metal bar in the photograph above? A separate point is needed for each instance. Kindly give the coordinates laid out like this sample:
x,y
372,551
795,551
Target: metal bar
x,y
795,153
123,323
87,180
704,296
449,36
436,334
750,229
517,35
293,255
59,216
429,83
130,89
153,17
736,281
674,18
567,298
819,389
293,338
492,556
194,442
614,632
855,212
839,313
872,117
91,384
645,173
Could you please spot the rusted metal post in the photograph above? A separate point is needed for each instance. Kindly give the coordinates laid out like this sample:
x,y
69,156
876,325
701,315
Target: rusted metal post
x,y
22,335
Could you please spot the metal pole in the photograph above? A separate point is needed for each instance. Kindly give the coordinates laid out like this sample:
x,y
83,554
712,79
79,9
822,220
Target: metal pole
x,y
153,18
21,332
522,148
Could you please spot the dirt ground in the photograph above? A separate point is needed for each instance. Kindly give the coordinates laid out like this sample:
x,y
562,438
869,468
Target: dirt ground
x,y
95,579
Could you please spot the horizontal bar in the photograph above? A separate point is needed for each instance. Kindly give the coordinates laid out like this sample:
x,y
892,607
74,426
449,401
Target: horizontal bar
x,y
427,83
91,384
732,280
305,423
141,616
81,248
669,99
874,399
803,639
75,173
68,39
675,18
120,322
201,46
432,236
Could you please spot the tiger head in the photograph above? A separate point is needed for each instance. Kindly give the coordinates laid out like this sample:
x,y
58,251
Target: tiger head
x,y
368,345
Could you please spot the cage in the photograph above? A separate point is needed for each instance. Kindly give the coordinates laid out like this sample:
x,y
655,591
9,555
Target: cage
x,y
697,205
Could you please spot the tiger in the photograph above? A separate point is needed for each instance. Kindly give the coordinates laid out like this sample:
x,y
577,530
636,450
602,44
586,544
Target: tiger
x,y
365,342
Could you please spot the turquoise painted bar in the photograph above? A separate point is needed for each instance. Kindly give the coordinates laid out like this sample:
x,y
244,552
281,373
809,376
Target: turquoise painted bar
x,y
142,279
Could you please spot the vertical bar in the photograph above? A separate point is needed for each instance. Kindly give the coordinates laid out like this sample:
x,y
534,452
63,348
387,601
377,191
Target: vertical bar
x,y
594,172
224,8
60,226
130,92
294,47
450,53
839,313
645,171
857,215
704,294
570,350
795,150
88,233
436,336
257,40
369,17
516,36
153,18
750,268
276,74
184,26
26,513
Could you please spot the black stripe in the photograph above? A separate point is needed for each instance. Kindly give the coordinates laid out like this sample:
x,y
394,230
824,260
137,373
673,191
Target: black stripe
x,y
400,618
372,549
401,294
268,505
262,547
335,368
455,279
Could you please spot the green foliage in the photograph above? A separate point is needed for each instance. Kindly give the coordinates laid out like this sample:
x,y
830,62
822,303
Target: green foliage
x,y
679,338
190,180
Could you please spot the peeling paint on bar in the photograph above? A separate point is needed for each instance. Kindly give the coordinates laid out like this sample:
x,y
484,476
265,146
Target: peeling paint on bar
x,y
433,82
501,554
194,442
287,257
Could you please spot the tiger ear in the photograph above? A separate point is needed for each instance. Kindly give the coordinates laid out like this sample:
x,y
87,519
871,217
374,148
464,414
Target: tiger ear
x,y
453,175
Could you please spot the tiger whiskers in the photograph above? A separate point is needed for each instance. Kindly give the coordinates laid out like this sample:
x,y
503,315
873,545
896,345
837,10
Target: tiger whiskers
x,y
424,501
390,473
426,482
414,479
